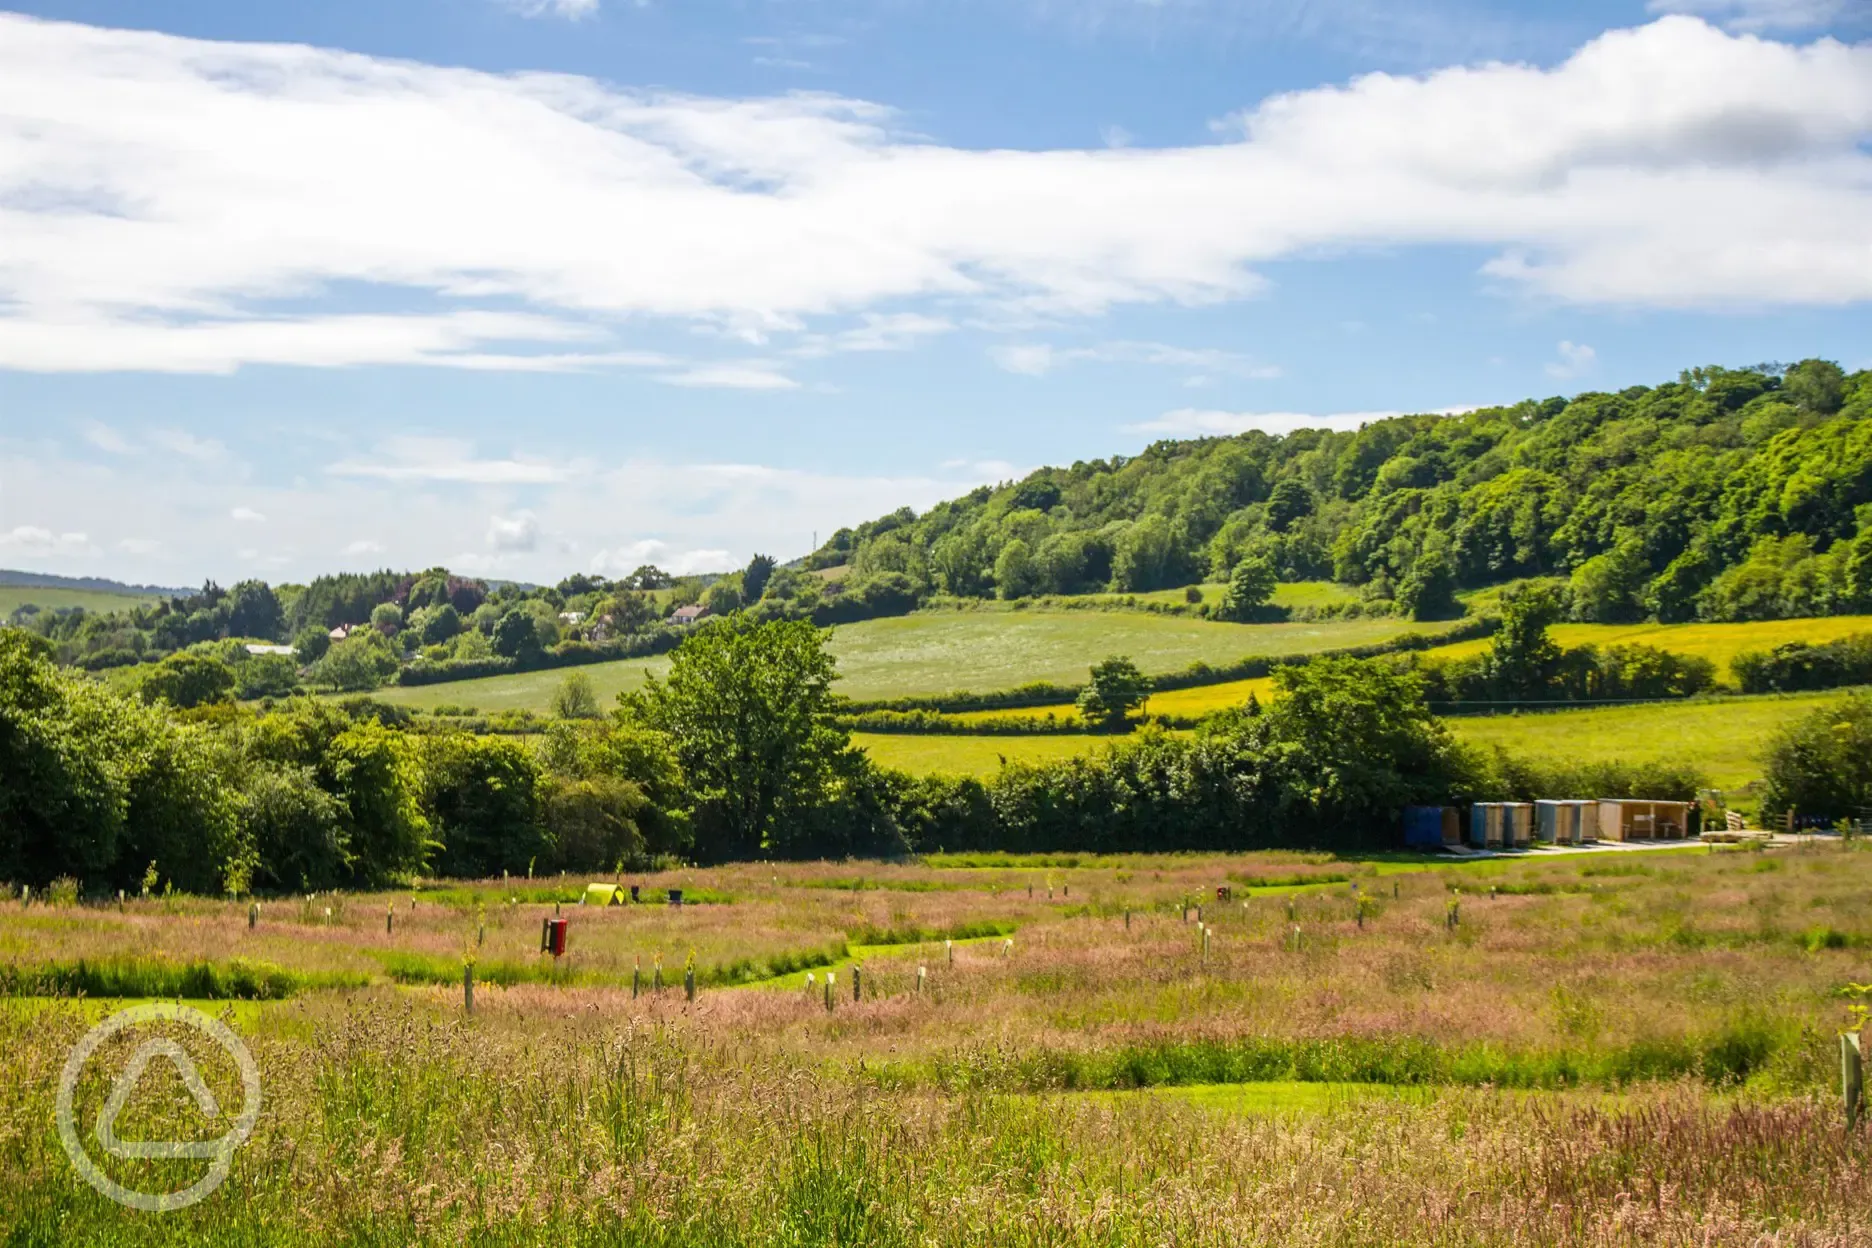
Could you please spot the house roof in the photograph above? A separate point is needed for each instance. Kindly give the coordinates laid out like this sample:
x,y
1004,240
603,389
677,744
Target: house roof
x,y
689,614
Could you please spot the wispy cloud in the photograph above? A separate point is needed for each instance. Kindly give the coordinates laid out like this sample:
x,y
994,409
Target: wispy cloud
x,y
1039,359
573,9
189,446
1575,358
446,460
1762,15
1674,165
753,375
246,515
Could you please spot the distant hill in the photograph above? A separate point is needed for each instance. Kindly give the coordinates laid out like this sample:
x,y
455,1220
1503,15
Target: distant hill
x,y
1727,494
94,584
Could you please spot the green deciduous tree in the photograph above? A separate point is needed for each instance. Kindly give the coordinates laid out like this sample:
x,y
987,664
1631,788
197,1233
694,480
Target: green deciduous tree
x,y
750,710
186,680
1821,764
1251,586
574,698
1116,691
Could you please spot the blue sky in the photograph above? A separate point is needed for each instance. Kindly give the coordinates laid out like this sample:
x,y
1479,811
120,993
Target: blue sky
x,y
529,287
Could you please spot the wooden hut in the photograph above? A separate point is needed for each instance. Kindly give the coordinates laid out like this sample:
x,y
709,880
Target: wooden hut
x,y
1517,825
1554,822
1630,819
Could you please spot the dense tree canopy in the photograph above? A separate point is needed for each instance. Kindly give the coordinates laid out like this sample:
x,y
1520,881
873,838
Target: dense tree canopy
x,y
1727,494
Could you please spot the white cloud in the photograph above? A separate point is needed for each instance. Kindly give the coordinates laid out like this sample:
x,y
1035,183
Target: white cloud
x,y
1575,358
141,547
572,9
408,458
107,439
189,446
752,375
1038,359
246,515
627,559
518,532
1758,15
31,539
1673,165
363,546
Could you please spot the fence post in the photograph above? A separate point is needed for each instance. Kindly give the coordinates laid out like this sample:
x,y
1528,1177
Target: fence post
x,y
830,978
1852,1077
636,978
1127,918
857,981
949,949
921,972
389,920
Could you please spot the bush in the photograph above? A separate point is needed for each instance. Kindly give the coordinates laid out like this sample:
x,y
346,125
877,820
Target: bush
x,y
1821,765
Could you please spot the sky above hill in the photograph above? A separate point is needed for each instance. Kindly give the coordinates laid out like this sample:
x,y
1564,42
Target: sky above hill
x,y
529,287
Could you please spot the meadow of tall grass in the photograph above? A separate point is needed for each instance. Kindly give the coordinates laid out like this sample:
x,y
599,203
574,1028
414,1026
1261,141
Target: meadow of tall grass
x,y
1616,1048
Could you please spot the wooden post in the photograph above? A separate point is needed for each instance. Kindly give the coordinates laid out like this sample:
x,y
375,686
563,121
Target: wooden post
x,y
922,972
688,982
857,982
829,978
481,934
120,903
1290,909
1852,1077
253,915
949,949
636,978
656,978
389,920
555,909
1394,890
468,987
1127,918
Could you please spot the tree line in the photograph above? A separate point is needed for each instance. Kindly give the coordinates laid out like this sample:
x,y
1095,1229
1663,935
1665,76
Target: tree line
x,y
737,754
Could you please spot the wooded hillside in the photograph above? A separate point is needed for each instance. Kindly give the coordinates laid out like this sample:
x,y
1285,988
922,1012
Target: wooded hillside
x,y
1726,494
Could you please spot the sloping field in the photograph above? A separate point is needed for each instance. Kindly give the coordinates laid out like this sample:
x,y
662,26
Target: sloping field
x,y
12,597
944,651
531,691
1719,643
1723,736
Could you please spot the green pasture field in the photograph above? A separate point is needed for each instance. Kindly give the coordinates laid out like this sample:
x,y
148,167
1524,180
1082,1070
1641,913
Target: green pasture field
x,y
96,601
1318,1068
525,691
1722,736
933,652
940,651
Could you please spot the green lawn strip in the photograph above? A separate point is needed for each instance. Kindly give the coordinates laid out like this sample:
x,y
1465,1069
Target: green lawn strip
x,y
241,1015
931,947
236,979
1727,1057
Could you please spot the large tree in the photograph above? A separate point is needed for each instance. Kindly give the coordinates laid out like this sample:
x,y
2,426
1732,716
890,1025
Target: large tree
x,y
750,709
